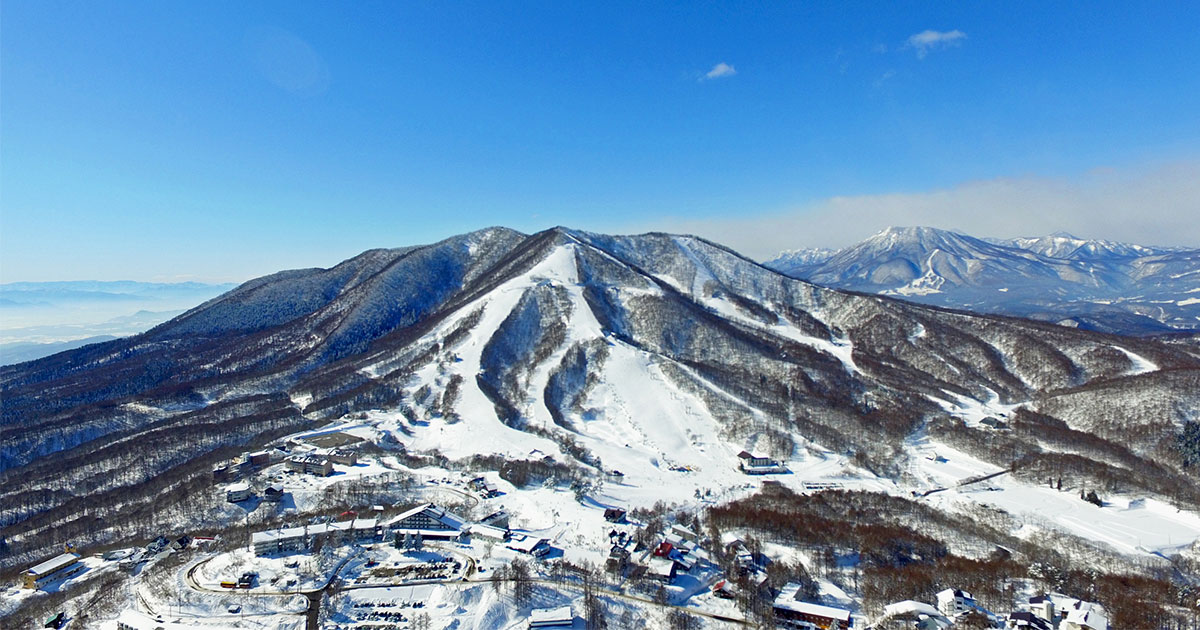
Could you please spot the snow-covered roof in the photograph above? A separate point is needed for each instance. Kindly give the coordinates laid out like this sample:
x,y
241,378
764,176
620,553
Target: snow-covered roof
x,y
241,486
1088,615
447,519
909,606
787,601
356,524
950,593
271,535
549,617
525,544
309,457
480,529
1025,619
54,564
683,531
660,566
829,612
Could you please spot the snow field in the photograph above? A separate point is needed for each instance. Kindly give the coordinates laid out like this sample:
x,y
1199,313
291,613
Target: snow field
x,y
1140,364
1131,525
971,411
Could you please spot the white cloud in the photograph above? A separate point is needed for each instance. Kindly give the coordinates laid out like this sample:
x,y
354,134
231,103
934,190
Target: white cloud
x,y
719,71
1151,206
288,61
925,41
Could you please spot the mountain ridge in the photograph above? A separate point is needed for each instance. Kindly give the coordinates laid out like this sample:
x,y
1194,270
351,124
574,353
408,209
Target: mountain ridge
x,y
1094,284
656,350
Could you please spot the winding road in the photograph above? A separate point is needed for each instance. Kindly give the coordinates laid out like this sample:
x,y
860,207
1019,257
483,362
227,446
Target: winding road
x,y
314,595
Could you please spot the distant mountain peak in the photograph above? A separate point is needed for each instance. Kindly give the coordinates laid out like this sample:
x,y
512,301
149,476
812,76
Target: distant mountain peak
x,y
915,233
1054,277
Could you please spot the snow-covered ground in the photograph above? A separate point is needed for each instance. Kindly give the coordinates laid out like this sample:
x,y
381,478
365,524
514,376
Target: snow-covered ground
x,y
1141,365
91,567
972,411
1131,525
662,438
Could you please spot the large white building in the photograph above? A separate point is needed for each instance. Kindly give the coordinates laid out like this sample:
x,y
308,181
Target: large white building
x,y
561,617
429,521
55,568
953,602
1068,613
238,492
303,538
791,612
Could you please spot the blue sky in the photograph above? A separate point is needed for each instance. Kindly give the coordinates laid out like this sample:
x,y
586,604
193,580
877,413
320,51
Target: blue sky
x,y
219,140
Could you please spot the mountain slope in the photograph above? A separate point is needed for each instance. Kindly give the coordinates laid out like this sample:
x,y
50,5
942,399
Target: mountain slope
x,y
1100,285
657,351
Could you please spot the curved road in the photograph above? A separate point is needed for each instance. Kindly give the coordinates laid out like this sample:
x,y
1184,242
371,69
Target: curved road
x,y
314,595
471,499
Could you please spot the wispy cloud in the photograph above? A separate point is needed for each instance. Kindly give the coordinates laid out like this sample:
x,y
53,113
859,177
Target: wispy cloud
x,y
288,61
883,78
925,41
719,71
1152,206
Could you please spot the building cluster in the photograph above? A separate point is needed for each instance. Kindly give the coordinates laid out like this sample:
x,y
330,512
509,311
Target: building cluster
x,y
318,463
485,488
622,546
407,530
1054,611
243,491
237,470
244,465
676,550
1044,612
311,464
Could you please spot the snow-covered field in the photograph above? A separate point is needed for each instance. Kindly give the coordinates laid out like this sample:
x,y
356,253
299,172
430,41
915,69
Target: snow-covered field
x,y
1131,525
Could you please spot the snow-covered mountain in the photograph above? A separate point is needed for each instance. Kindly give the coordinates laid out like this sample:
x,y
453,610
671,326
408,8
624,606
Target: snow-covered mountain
x,y
1094,284
804,257
1064,245
656,353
